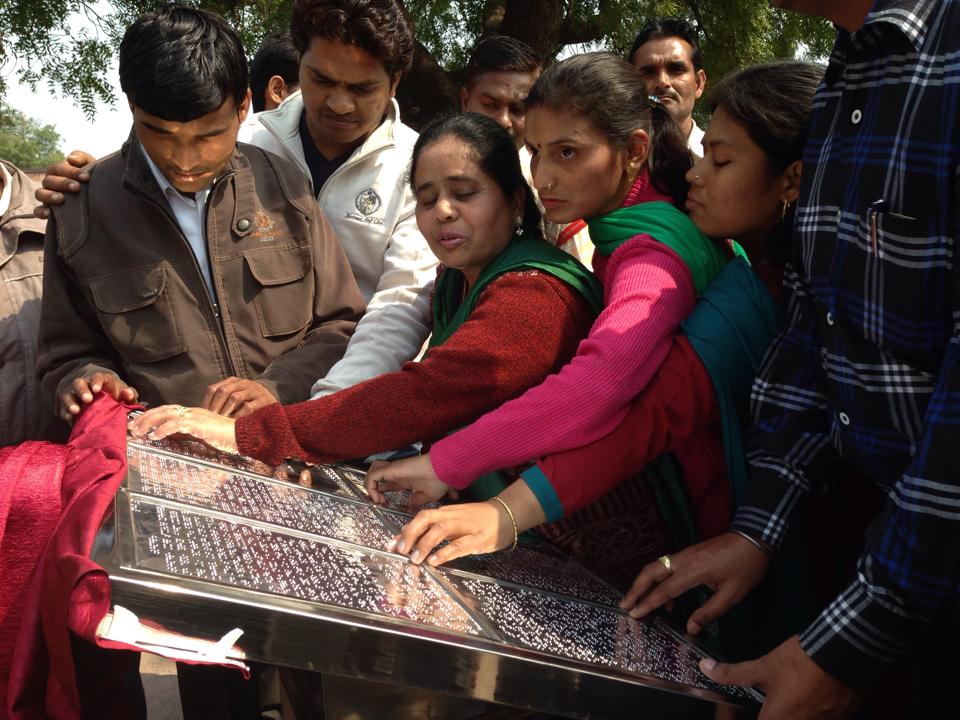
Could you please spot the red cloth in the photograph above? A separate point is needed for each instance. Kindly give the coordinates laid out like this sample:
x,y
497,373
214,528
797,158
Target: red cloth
x,y
676,412
65,493
29,508
525,326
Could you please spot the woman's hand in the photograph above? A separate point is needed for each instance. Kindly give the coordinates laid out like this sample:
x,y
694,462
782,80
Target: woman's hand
x,y
471,528
413,473
162,422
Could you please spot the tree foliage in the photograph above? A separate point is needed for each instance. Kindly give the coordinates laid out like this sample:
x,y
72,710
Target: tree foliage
x,y
25,142
734,33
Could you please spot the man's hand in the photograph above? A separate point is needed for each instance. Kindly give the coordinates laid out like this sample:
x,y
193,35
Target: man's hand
x,y
471,528
795,685
62,177
84,388
727,564
414,473
236,397
162,422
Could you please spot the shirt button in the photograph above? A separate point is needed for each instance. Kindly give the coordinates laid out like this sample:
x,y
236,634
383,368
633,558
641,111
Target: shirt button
x,y
830,319
243,224
844,418
855,116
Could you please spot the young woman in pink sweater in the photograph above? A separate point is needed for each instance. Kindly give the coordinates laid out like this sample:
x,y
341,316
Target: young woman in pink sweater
x,y
604,151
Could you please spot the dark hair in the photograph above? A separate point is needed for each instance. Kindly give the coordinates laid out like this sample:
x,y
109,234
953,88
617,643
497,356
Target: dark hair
x,y
659,28
499,53
181,63
494,152
772,103
378,27
608,91
276,56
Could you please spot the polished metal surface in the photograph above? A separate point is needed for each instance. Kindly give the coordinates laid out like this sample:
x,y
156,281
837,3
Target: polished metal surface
x,y
201,542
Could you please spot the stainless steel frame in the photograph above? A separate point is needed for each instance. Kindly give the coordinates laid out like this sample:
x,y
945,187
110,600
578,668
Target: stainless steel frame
x,y
533,630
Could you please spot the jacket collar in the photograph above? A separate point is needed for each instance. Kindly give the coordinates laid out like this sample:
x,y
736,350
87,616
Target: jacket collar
x,y
19,216
284,123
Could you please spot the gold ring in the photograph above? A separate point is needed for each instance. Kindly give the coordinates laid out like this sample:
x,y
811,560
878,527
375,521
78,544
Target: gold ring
x,y
665,561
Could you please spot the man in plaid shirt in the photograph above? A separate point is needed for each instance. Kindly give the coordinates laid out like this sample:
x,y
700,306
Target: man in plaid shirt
x,y
867,370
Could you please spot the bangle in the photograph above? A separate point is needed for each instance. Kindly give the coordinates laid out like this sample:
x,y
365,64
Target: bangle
x,y
516,531
753,541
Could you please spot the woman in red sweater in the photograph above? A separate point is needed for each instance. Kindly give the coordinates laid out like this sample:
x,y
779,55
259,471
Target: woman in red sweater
x,y
508,310
743,188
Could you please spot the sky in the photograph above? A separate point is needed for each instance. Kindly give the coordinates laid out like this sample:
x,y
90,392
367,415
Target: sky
x,y
104,134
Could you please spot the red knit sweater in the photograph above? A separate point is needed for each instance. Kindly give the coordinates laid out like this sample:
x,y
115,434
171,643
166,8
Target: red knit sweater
x,y
525,326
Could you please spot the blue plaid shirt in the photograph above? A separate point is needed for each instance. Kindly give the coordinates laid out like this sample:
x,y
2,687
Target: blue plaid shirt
x,y
867,369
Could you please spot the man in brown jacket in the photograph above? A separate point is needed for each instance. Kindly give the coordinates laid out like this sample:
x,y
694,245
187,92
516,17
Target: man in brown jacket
x,y
189,268
22,415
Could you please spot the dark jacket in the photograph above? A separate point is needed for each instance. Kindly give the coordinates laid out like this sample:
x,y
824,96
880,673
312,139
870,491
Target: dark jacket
x,y
22,415
124,292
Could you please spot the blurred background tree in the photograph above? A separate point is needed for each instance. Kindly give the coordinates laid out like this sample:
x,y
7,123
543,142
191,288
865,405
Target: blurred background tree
x,y
35,37
25,142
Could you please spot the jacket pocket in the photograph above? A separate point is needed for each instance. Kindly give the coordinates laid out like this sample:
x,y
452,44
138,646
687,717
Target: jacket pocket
x,y
137,315
283,289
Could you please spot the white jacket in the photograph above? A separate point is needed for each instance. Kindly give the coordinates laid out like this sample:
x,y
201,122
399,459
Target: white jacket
x,y
370,206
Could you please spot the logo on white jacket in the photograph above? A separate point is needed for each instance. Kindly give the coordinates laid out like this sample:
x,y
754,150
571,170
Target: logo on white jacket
x,y
368,202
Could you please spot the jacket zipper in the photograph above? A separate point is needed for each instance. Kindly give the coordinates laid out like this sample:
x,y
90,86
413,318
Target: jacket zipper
x,y
214,277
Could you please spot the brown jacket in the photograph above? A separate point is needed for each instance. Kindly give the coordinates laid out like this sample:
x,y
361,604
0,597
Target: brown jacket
x,y
123,291
22,416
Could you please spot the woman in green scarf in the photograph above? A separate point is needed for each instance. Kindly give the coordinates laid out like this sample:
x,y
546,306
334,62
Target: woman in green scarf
x,y
508,310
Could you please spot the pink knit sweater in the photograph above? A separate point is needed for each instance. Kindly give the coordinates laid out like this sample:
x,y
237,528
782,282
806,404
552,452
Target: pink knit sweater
x,y
648,291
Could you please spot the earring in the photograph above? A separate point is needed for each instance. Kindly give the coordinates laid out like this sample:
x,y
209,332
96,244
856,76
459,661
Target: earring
x,y
784,209
633,169
519,224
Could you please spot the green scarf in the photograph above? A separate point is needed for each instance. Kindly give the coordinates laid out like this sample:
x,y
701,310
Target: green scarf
x,y
667,225
449,312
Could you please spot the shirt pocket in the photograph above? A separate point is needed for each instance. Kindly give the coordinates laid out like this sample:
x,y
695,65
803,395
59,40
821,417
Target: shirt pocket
x,y
137,315
283,289
909,305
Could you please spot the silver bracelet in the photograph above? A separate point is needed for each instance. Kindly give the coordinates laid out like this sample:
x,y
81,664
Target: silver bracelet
x,y
753,541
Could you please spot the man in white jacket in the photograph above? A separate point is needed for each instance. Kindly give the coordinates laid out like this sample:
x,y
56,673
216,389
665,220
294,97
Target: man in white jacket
x,y
343,129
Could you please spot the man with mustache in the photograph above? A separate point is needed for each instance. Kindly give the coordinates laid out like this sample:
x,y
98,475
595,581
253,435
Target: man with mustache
x,y
666,53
